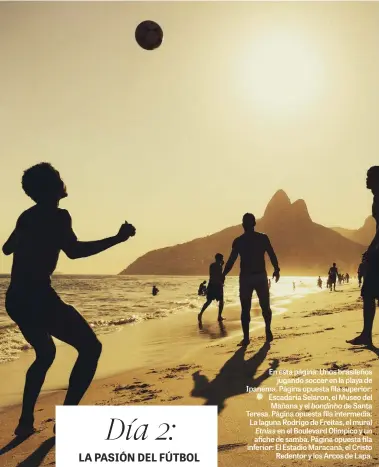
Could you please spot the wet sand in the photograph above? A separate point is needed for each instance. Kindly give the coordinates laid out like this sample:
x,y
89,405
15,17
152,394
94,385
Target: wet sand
x,y
172,361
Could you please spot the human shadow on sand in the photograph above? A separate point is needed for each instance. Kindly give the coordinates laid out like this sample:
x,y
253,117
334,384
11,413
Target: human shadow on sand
x,y
36,458
209,331
13,444
233,377
372,348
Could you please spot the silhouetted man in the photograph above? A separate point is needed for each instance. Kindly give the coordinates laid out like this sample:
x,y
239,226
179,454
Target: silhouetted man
x,y
40,234
370,287
347,277
155,290
215,290
333,274
319,282
202,289
251,248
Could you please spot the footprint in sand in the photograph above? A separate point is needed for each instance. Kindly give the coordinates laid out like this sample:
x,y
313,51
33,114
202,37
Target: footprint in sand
x,y
174,398
137,392
177,371
320,313
296,358
335,366
48,420
131,387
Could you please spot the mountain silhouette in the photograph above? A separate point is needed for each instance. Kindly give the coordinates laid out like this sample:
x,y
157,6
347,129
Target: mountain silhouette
x,y
363,235
302,246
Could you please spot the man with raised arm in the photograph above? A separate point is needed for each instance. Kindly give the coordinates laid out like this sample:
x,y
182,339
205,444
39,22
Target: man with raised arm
x,y
251,247
40,234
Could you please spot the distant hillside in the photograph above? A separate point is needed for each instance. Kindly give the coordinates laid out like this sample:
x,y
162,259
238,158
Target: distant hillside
x,y
363,235
302,246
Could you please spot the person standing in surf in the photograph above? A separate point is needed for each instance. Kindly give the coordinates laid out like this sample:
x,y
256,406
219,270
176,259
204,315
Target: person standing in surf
x,y
251,247
41,232
215,290
202,291
370,260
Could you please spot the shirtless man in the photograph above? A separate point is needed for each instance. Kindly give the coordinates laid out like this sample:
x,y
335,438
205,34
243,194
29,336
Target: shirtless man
x,y
41,233
333,274
215,290
251,247
370,262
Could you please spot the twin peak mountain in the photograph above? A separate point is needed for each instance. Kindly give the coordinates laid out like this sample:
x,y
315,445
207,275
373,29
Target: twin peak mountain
x,y
302,246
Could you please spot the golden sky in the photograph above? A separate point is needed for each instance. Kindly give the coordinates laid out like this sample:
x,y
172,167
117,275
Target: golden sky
x,y
241,99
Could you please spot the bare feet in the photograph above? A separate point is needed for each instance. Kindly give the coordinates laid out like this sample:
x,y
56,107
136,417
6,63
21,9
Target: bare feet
x,y
24,430
361,340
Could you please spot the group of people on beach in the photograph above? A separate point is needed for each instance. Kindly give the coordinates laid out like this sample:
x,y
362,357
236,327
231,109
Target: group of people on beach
x,y
334,276
251,247
43,230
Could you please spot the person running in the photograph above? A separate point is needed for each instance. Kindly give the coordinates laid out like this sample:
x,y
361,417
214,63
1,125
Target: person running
x,y
41,232
370,287
202,289
251,247
333,274
319,282
215,290
155,290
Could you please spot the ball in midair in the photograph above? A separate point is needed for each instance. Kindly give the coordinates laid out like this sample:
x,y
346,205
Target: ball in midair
x,y
149,35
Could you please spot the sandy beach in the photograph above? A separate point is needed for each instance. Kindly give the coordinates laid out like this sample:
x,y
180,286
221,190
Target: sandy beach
x,y
181,364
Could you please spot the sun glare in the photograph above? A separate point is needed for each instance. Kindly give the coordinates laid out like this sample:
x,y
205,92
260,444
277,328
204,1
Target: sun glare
x,y
281,73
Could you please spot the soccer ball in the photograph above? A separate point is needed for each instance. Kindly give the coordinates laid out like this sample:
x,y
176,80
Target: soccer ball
x,y
149,35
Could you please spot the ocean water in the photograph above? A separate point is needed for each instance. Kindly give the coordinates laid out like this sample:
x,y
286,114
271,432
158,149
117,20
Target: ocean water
x,y
110,302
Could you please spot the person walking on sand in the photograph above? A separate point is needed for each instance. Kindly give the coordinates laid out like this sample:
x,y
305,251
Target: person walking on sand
x,y
215,290
41,232
370,287
155,290
251,247
333,274
319,282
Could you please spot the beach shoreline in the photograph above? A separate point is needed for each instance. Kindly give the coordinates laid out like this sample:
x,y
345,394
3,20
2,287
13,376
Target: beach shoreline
x,y
142,342
311,334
